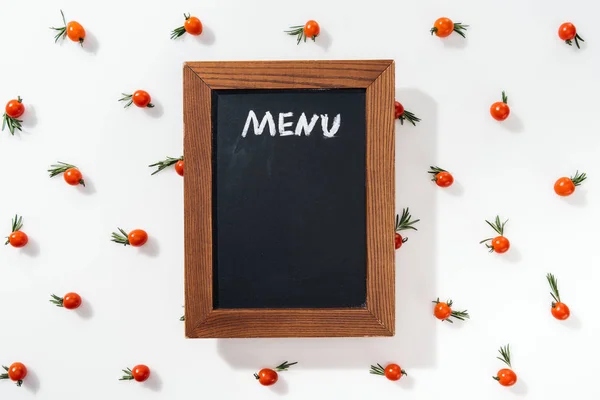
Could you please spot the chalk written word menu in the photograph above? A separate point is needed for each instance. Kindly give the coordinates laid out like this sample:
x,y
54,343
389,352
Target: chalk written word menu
x,y
289,211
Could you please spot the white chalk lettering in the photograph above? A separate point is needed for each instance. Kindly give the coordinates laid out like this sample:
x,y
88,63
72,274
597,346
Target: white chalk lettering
x,y
337,121
283,124
303,125
258,129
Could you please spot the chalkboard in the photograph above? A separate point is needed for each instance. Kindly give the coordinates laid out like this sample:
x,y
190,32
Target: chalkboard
x,y
289,198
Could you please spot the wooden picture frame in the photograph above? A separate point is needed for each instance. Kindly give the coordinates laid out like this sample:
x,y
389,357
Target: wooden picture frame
x,y
377,318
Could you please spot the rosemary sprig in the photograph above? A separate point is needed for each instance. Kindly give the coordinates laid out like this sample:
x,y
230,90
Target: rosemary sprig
x,y
505,355
122,238
164,164
19,383
554,287
434,171
410,117
62,32
577,38
459,28
298,31
284,366
12,123
404,222
17,224
461,315
178,32
578,178
128,375
58,301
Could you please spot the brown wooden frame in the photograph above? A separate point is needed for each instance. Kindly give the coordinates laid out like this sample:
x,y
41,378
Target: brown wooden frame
x,y
378,317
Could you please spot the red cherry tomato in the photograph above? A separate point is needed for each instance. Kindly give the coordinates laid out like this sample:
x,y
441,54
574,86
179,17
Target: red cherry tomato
x,y
506,377
71,301
137,237
500,111
15,108
564,186
393,372
443,27
193,26
141,98
18,239
500,244
567,31
399,109
444,179
75,32
398,241
17,372
442,311
267,377
561,311
312,29
179,167
140,373
73,177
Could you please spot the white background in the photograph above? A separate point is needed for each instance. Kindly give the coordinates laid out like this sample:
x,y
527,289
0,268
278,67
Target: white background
x,y
133,298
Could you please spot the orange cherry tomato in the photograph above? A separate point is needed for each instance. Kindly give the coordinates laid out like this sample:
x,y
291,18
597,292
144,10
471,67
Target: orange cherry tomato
x,y
137,237
140,373
393,372
71,301
193,26
75,32
444,179
179,167
15,108
399,109
443,27
506,377
73,177
17,372
567,31
267,377
18,239
561,311
442,311
564,186
141,98
500,244
312,29
499,111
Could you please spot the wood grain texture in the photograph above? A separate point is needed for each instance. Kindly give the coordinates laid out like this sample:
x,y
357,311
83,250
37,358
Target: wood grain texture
x,y
377,318
289,74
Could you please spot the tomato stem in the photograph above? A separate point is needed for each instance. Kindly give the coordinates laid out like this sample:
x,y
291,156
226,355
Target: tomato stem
x,y
505,355
410,117
122,238
58,301
578,178
504,98
459,28
165,163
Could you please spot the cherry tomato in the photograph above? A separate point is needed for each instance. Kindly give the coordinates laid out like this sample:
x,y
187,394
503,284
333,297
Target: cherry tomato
x,y
141,98
18,239
137,237
444,179
393,372
312,29
15,108
73,176
17,372
499,111
561,311
500,244
399,109
564,186
506,377
267,377
567,31
193,26
75,32
443,27
179,167
71,301
442,311
398,240
140,373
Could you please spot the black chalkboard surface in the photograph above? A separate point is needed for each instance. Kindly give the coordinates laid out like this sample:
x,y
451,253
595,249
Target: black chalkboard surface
x,y
289,210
